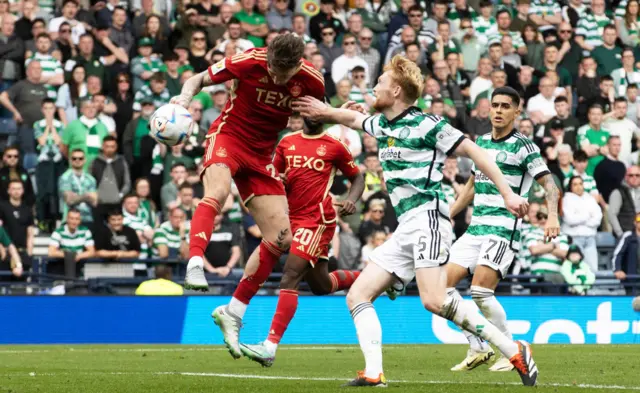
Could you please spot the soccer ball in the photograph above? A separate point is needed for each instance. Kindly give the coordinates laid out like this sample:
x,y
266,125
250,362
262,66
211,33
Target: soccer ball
x,y
171,124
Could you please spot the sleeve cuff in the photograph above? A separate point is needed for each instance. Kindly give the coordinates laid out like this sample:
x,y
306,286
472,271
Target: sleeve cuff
x,y
455,145
539,175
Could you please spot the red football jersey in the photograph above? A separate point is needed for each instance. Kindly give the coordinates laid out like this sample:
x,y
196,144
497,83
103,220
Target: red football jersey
x,y
312,161
257,109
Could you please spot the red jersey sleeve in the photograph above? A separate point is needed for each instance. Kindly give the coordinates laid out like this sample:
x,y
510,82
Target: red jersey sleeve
x,y
314,81
344,161
279,161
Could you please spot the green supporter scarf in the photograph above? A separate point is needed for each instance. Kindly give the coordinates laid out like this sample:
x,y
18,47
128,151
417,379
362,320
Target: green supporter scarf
x,y
142,129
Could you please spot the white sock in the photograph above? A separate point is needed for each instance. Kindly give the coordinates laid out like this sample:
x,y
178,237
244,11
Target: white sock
x,y
195,261
464,314
271,347
237,308
476,343
369,336
491,308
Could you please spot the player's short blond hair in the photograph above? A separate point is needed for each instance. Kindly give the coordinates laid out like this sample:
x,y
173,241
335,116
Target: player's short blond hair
x,y
406,73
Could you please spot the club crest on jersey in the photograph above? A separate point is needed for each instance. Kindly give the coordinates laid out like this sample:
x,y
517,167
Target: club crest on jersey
x,y
404,133
501,157
296,90
321,151
391,141
222,152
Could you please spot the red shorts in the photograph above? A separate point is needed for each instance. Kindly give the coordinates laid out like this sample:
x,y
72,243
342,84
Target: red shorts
x,y
253,173
311,239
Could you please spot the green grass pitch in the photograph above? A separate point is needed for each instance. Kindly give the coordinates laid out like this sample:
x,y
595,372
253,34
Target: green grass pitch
x,y
409,368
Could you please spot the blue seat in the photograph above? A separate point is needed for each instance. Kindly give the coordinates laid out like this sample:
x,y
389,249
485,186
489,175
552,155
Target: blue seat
x,y
605,239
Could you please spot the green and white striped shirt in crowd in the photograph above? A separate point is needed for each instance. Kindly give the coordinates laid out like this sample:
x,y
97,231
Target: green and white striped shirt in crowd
x,y
621,9
520,162
591,28
146,92
516,39
47,6
77,241
165,234
544,8
484,28
138,222
235,213
524,255
449,193
50,67
454,16
545,263
356,94
588,182
412,149
49,151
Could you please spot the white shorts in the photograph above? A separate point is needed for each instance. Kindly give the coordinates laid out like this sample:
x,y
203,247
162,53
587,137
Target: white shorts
x,y
470,251
421,241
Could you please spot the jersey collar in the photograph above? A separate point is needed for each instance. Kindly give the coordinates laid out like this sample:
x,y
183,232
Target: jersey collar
x,y
404,113
504,138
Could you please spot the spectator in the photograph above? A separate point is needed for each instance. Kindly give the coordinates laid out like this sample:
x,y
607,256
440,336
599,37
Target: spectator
x,y
482,81
115,241
546,257
86,57
407,37
223,252
551,63
187,202
299,28
449,89
374,222
343,91
576,273
324,19
38,27
369,16
12,54
625,256
561,167
234,28
148,209
77,188
610,172
590,28
148,8
327,47
592,138
627,74
176,154
580,161
24,100
85,134
581,219
360,92
343,64
12,170
169,192
570,52
17,219
70,245
137,143
64,42
541,108
120,34
470,46
156,90
461,77
170,239
546,15
136,218
498,80
50,165
348,136
372,175
526,128
485,24
112,176
162,285
369,54
503,19
219,97
24,24
608,54
146,64
153,31
617,122
69,13
254,24
569,123
439,10
510,55
628,24
375,240
480,124
521,17
594,90
280,16
424,37
70,94
52,74
624,203
443,44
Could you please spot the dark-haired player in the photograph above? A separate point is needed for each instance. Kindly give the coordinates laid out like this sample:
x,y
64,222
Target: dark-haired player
x,y
240,145
492,240
310,159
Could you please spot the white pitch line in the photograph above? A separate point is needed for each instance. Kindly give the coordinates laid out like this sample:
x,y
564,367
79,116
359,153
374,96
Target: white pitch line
x,y
326,379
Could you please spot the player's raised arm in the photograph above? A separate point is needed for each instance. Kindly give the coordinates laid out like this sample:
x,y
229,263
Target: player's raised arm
x,y
318,111
465,197
516,204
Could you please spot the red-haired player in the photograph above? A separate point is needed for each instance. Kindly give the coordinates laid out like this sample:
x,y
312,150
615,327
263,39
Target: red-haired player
x,y
240,145
309,159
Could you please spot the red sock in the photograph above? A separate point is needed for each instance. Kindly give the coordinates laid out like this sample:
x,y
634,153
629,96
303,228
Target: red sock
x,y
343,279
269,256
202,226
286,309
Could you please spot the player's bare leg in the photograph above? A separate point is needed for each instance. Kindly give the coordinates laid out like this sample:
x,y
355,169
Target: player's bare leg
x,y
217,184
483,286
432,287
479,352
373,281
270,214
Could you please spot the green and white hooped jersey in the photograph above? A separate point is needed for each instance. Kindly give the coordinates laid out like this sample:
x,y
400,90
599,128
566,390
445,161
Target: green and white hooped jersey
x,y
412,148
545,263
520,162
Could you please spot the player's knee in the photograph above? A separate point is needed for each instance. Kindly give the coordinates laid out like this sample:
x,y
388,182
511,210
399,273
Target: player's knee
x,y
290,278
433,303
320,288
354,298
282,239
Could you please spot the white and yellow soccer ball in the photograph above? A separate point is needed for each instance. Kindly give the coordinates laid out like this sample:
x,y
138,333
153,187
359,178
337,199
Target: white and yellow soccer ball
x,y
171,125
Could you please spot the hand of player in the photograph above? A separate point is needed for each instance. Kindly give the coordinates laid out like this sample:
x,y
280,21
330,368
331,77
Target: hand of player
x,y
310,107
354,106
551,228
181,100
284,176
516,205
347,207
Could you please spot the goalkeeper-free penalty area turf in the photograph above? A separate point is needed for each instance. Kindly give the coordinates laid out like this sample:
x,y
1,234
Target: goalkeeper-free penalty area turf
x,y
408,368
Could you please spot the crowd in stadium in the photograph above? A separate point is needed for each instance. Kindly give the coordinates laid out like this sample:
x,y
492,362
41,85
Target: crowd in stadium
x,y
80,80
